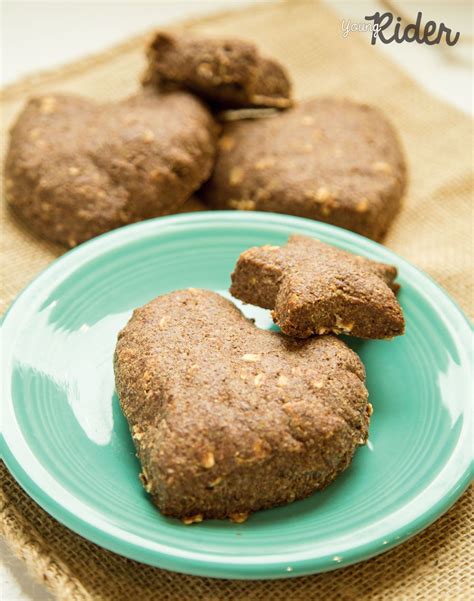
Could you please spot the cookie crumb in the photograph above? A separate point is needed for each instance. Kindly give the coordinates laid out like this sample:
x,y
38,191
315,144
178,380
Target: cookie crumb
x,y
148,136
242,204
137,433
163,321
145,481
238,518
323,194
264,163
236,176
345,328
208,460
250,357
382,167
205,70
193,519
326,210
362,205
226,143
215,482
48,105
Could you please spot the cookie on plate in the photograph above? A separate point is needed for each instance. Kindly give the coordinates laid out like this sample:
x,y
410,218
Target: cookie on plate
x,y
327,159
76,168
315,288
216,405
228,72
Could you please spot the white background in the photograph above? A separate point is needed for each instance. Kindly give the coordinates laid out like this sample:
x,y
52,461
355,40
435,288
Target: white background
x,y
40,35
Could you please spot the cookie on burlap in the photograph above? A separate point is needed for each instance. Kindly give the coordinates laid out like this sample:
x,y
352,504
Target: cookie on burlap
x,y
215,405
76,168
228,72
327,159
192,205
315,288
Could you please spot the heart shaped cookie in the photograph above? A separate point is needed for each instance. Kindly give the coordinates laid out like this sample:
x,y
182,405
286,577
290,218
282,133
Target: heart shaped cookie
x,y
315,288
328,159
227,418
76,169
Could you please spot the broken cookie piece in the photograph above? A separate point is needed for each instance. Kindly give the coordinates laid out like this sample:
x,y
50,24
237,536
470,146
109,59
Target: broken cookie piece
x,y
216,405
228,72
315,288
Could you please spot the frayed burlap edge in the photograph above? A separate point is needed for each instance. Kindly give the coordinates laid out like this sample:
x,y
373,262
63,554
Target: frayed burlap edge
x,y
430,566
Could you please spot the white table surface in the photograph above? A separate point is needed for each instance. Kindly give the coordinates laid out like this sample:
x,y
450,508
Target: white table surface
x,y
40,35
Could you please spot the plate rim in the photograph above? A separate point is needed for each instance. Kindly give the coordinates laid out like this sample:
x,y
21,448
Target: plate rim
x,y
208,565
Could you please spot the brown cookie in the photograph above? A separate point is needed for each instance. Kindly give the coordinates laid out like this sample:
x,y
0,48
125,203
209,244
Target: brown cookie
x,y
216,405
192,205
327,159
76,169
228,72
314,288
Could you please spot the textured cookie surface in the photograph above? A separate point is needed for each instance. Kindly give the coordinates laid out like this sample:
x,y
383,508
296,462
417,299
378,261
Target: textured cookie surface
x,y
76,169
228,72
315,288
327,159
228,419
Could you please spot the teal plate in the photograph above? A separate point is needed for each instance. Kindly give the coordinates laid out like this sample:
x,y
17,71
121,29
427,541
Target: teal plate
x,y
67,443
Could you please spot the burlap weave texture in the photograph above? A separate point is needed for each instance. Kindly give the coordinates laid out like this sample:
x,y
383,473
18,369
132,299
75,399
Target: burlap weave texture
x,y
433,231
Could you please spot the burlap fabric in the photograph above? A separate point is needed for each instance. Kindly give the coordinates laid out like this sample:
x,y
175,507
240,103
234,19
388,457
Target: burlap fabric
x,y
434,231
